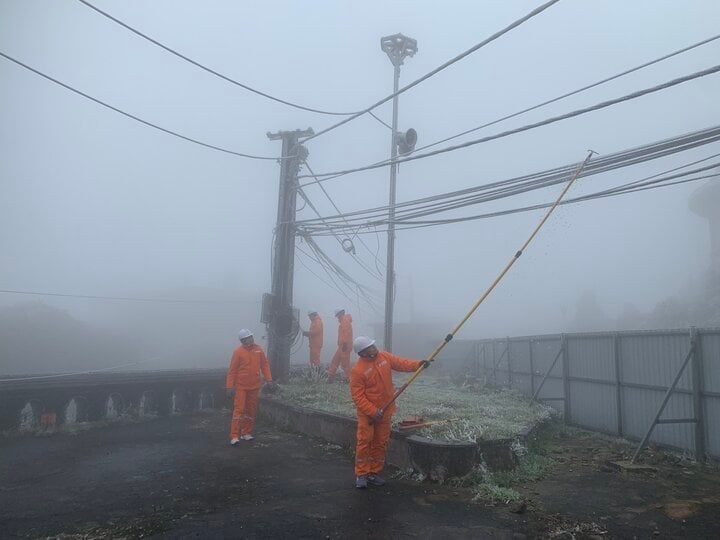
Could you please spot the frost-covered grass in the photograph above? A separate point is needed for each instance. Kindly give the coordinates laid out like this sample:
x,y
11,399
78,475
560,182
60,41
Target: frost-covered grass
x,y
499,486
473,413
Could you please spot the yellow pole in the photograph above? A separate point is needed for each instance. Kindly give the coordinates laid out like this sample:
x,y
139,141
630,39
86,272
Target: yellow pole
x,y
504,271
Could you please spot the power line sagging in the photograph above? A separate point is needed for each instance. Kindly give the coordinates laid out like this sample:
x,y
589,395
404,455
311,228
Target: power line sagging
x,y
134,117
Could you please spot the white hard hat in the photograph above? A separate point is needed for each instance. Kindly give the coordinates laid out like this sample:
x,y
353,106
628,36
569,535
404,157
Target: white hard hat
x,y
312,312
361,343
244,333
338,311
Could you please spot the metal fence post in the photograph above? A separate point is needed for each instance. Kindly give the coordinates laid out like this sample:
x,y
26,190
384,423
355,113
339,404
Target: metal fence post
x,y
476,353
509,362
494,371
532,367
697,389
566,381
547,373
618,383
485,362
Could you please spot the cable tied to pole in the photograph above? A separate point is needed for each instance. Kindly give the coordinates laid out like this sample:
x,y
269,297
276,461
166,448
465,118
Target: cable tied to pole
x,y
494,284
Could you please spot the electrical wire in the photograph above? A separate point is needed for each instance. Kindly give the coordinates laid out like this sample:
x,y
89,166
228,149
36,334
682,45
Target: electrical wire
x,y
476,200
603,164
383,122
405,220
377,243
574,92
513,186
633,187
331,267
323,280
508,191
137,118
298,343
542,104
209,70
124,298
336,268
308,202
438,69
598,195
527,127
334,285
332,202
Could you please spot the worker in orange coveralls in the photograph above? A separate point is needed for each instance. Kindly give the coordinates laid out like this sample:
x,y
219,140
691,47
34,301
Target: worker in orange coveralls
x,y
315,337
371,386
345,339
243,381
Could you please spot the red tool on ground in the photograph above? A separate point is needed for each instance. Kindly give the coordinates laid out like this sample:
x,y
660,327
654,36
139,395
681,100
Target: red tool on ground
x,y
410,423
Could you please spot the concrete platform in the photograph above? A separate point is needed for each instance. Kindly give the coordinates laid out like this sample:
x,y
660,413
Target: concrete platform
x,y
436,460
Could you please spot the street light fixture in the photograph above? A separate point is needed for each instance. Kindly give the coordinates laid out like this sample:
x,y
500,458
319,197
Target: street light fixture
x,y
397,47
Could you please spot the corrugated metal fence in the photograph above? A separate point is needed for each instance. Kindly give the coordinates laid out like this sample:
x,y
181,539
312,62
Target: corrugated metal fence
x,y
613,382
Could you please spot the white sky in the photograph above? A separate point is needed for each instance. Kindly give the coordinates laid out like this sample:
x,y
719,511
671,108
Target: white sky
x,y
95,203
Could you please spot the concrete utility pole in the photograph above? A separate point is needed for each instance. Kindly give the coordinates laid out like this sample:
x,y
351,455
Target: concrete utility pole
x,y
278,313
397,47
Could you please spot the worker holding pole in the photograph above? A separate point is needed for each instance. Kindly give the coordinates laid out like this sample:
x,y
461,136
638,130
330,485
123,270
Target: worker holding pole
x,y
315,337
371,386
345,342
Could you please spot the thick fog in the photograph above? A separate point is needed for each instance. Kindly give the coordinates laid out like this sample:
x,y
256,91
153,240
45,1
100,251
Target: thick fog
x,y
94,203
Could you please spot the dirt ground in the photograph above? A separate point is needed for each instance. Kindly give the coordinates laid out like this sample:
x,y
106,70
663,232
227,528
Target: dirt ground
x,y
583,491
178,478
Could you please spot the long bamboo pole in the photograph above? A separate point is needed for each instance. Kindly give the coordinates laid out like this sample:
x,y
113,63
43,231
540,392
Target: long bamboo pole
x,y
494,284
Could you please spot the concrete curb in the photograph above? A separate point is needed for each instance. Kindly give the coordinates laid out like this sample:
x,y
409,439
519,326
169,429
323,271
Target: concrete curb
x,y
436,460
331,427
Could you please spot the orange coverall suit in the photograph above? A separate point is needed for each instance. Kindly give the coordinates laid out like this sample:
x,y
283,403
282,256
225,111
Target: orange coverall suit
x,y
244,376
315,338
371,386
345,338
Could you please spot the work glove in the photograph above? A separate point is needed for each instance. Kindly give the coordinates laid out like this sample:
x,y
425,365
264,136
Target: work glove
x,y
378,415
271,388
229,392
344,347
425,364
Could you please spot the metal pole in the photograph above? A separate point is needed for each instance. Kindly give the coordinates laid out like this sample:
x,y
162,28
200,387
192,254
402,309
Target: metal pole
x,y
494,367
566,379
390,259
509,362
547,373
281,322
496,363
697,387
618,384
532,367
